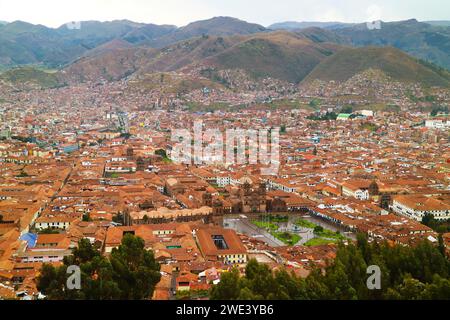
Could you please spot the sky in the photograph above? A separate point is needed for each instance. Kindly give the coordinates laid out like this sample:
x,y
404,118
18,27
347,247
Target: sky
x,y
54,13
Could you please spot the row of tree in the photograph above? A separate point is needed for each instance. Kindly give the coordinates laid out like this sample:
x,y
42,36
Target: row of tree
x,y
421,272
130,273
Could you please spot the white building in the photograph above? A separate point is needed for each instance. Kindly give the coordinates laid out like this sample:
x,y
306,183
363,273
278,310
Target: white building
x,y
438,124
417,206
350,190
60,222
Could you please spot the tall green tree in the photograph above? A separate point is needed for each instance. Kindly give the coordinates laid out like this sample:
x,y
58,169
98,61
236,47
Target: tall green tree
x,y
130,273
135,269
420,272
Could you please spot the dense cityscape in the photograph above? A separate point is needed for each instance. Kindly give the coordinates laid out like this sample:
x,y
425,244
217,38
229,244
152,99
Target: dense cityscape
x,y
89,178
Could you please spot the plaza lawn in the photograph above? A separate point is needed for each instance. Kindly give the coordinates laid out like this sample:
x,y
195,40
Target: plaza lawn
x,y
276,219
266,225
288,238
318,242
328,234
305,224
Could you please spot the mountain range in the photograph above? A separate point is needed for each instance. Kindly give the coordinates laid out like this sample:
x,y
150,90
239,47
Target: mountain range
x,y
293,25
294,52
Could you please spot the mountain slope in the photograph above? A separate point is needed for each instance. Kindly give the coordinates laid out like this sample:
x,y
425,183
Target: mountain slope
x,y
30,78
148,33
281,55
443,23
24,43
398,65
319,35
188,52
106,64
421,40
293,25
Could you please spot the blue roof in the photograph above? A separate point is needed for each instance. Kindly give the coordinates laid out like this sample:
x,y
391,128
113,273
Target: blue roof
x,y
30,238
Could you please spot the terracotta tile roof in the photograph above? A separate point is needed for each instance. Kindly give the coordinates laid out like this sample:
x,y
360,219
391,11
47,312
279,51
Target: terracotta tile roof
x,y
208,248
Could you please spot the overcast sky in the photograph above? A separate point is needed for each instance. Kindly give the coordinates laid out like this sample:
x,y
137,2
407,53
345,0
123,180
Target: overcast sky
x,y
54,13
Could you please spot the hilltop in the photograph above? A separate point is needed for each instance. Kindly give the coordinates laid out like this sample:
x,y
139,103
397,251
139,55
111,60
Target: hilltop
x,y
218,26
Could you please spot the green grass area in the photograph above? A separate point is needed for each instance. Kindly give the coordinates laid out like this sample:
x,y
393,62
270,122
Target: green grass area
x,y
287,238
330,235
266,225
319,242
290,239
369,127
276,219
305,224
38,76
323,236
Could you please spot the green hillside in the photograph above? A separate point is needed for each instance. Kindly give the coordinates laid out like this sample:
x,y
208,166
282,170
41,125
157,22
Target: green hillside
x,y
421,40
30,77
281,55
393,62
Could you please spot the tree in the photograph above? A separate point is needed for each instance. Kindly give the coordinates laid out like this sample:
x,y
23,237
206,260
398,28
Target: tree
x,y
162,153
135,269
130,273
428,219
48,231
441,245
318,229
84,253
118,218
419,272
228,288
347,109
87,217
